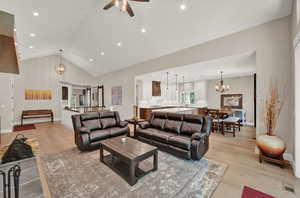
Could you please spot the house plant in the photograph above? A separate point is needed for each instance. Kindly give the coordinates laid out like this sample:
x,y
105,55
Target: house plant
x,y
269,144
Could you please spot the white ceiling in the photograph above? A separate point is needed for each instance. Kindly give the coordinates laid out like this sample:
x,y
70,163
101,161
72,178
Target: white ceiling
x,y
233,66
83,29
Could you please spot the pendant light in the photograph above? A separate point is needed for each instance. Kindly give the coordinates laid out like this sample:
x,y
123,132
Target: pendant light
x,y
60,69
176,81
167,80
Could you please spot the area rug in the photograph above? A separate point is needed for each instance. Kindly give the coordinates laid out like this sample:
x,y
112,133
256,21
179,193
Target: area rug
x,y
252,193
81,175
24,127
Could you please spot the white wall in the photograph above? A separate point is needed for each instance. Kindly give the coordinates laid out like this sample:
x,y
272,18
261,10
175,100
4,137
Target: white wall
x,y
270,41
6,101
39,73
295,51
240,85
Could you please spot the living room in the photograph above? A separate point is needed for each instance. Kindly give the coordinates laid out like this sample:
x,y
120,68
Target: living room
x,y
86,63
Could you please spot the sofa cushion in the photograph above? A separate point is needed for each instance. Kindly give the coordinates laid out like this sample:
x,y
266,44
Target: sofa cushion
x,y
108,122
90,121
173,126
189,128
116,131
162,136
93,124
89,116
147,133
181,142
158,123
99,135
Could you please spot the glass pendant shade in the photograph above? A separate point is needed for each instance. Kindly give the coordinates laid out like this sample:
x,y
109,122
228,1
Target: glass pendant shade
x,y
60,69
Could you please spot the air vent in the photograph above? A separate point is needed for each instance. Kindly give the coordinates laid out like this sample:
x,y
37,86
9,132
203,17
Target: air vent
x,y
289,187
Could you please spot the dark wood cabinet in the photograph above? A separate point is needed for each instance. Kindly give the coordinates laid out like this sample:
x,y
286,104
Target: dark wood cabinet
x,y
156,90
65,93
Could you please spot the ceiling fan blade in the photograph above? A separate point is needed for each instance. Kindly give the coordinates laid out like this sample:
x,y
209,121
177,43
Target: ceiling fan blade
x,y
129,10
141,0
111,4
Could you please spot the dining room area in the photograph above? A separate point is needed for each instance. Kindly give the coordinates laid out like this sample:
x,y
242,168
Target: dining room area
x,y
224,89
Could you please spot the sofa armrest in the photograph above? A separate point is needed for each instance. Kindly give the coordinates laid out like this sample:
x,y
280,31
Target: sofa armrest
x,y
198,136
84,130
123,124
144,124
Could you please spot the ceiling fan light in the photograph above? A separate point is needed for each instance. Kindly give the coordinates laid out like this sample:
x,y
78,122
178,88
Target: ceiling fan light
x,y
183,6
117,3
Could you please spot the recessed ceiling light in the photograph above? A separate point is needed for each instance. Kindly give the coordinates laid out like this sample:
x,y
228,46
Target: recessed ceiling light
x,y
91,60
119,44
143,30
15,29
31,47
35,14
102,53
32,34
16,44
183,6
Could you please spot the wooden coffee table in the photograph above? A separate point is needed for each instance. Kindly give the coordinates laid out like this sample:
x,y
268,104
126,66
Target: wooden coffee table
x,y
124,158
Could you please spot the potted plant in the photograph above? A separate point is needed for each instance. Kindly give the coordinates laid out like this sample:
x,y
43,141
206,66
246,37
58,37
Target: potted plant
x,y
269,144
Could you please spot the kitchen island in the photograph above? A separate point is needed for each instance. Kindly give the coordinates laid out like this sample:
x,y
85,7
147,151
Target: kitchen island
x,y
145,111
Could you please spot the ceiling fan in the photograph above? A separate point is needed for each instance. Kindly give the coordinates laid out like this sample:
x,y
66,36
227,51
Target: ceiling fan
x,y
123,5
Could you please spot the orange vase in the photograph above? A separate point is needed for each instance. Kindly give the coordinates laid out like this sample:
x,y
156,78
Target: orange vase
x,y
271,146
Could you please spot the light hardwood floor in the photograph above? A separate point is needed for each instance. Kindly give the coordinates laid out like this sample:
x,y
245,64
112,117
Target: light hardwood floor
x,y
237,153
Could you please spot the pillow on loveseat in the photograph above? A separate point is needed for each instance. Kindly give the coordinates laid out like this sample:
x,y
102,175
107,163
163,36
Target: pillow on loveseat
x,y
173,126
108,122
158,123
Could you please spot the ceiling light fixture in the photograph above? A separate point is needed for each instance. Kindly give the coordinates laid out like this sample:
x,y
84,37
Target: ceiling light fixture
x,y
31,47
143,30
91,60
102,53
15,29
60,69
183,5
167,80
35,14
117,3
16,44
119,44
221,87
32,34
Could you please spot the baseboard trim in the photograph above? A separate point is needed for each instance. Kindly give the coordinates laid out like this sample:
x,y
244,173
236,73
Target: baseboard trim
x,y
34,121
289,157
248,123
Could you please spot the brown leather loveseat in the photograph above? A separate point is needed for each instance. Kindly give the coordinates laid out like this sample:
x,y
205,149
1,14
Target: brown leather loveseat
x,y
90,128
184,135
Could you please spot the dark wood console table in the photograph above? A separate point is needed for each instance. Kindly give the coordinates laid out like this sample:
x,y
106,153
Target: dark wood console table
x,y
43,113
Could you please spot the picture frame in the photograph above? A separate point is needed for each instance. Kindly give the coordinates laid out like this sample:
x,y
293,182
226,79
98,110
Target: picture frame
x,y
232,101
116,95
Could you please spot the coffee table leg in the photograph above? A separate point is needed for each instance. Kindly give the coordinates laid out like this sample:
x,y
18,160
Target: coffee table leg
x,y
132,177
155,161
101,153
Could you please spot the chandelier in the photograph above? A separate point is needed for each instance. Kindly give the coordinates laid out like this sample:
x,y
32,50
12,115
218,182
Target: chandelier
x,y
60,69
221,87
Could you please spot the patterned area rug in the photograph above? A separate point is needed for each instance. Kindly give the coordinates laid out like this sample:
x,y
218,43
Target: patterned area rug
x,y
81,175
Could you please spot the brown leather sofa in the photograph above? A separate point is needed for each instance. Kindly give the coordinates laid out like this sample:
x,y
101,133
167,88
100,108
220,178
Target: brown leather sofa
x,y
90,128
184,135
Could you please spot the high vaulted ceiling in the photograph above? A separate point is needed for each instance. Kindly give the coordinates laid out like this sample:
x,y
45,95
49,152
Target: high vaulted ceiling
x,y
84,30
